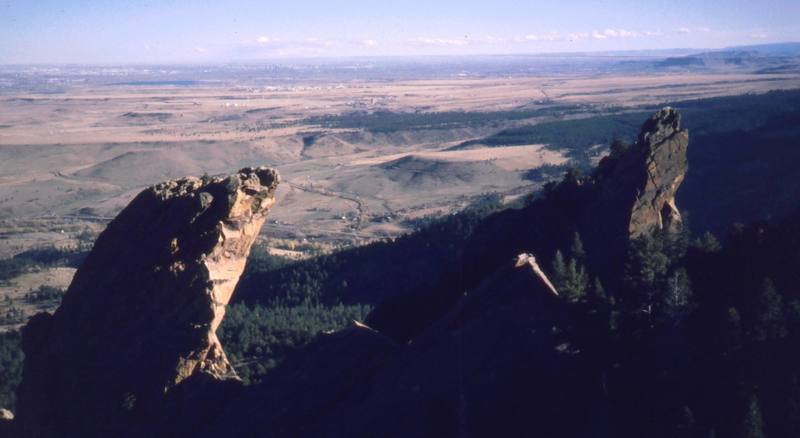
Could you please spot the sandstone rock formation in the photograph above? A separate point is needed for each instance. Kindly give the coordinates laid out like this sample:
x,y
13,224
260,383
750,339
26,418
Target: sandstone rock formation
x,y
664,144
639,194
141,313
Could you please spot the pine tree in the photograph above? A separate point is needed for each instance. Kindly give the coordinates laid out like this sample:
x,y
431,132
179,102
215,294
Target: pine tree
x,y
559,268
769,323
618,147
708,243
753,423
576,249
570,278
646,272
676,298
575,282
597,294
733,330
674,243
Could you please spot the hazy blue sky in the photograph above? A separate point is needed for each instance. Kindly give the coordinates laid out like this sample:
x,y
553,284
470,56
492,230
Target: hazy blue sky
x,y
44,31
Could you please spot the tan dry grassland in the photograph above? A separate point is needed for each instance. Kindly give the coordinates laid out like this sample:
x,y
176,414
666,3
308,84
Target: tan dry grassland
x,y
83,154
69,162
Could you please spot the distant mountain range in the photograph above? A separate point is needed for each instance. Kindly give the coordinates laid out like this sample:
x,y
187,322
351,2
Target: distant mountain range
x,y
774,49
764,58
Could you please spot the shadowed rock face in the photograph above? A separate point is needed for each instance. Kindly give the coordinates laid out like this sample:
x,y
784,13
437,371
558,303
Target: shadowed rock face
x,y
639,196
489,366
637,190
141,313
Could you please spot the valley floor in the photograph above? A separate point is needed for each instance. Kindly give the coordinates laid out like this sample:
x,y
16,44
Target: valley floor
x,y
360,160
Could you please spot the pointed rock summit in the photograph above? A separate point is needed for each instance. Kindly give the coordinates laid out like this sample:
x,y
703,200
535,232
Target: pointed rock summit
x,y
637,188
640,191
663,144
142,312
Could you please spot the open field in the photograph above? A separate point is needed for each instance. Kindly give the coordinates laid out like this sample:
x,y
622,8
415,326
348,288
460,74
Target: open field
x,y
86,152
126,114
17,304
360,159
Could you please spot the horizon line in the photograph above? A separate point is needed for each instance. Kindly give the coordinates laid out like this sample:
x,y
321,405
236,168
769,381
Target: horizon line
x,y
278,60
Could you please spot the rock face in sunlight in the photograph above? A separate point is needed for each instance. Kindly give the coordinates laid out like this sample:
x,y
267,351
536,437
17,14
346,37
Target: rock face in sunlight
x,y
643,184
636,189
664,144
141,314
530,260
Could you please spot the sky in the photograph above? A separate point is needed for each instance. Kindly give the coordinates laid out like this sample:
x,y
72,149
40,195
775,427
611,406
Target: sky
x,y
201,31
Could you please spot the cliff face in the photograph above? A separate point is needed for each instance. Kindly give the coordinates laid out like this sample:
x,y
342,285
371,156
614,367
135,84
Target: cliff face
x,y
141,313
638,196
664,145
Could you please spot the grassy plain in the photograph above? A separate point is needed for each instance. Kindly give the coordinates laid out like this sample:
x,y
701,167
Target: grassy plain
x,y
359,159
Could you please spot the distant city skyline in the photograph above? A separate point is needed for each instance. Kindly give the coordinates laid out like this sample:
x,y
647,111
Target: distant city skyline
x,y
182,31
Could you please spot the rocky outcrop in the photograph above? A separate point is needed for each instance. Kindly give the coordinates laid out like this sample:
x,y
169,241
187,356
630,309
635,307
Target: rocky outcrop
x,y
664,144
485,348
141,313
638,196
632,191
